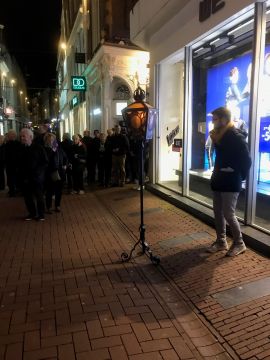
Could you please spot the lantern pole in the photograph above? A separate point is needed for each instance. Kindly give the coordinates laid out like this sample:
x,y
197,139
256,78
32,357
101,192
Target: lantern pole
x,y
141,183
145,247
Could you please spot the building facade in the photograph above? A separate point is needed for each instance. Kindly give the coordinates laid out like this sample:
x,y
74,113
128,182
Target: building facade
x,y
13,94
204,55
95,49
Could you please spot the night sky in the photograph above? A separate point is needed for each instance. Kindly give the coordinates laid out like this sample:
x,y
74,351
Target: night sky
x,y
32,30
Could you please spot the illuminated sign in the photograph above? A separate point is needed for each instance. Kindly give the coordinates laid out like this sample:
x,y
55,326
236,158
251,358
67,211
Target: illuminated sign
x,y
75,101
9,110
264,144
119,107
78,83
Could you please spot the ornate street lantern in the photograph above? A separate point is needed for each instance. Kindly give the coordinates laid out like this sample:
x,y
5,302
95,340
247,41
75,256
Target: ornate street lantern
x,y
140,119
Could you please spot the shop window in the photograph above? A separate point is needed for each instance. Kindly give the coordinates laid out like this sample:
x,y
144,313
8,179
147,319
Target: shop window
x,y
170,129
263,168
221,77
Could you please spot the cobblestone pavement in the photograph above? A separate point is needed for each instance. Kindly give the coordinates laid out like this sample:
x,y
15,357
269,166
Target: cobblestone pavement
x,y
65,294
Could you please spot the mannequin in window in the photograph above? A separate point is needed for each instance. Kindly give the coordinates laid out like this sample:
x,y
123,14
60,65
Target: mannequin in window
x,y
265,87
233,95
209,148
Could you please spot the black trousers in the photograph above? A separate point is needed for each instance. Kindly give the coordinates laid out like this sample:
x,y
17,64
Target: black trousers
x,y
2,178
54,188
12,180
108,169
69,180
92,164
77,175
33,198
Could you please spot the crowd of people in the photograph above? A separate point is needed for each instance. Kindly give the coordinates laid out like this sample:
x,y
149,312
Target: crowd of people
x,y
39,166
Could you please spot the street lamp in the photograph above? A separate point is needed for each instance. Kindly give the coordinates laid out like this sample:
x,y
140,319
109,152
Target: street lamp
x,y
140,119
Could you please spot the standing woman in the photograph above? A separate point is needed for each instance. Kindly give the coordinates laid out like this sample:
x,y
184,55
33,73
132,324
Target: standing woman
x,y
55,173
78,159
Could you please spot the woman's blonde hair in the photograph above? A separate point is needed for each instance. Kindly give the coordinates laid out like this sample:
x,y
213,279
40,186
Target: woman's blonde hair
x,y
49,138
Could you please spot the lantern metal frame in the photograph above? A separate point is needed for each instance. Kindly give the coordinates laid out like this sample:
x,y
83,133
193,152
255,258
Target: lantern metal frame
x,y
142,133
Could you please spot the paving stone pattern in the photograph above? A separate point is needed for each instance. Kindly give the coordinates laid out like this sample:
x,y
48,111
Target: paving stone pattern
x,y
65,295
244,328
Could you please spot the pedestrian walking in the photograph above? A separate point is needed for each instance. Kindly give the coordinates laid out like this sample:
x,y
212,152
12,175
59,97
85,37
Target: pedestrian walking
x,y
231,167
93,155
78,164
32,165
87,140
66,145
55,172
101,160
108,157
120,147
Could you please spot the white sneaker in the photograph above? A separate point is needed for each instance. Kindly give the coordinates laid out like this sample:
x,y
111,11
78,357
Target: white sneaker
x,y
217,246
138,188
236,249
81,192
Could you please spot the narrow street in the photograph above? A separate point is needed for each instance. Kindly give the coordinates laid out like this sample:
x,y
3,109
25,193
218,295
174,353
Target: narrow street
x,y
65,294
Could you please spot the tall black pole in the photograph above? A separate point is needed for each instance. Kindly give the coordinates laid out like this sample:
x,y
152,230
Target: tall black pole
x,y
141,183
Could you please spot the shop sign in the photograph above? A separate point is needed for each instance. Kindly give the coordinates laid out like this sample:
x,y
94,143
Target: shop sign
x,y
172,135
78,83
74,102
209,7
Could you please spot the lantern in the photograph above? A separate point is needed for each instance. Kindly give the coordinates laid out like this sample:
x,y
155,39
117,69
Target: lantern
x,y
140,117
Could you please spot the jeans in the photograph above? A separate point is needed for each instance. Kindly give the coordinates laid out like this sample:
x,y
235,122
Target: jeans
x,y
224,211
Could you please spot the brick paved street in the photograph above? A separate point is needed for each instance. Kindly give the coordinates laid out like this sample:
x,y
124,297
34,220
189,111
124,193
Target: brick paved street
x,y
65,295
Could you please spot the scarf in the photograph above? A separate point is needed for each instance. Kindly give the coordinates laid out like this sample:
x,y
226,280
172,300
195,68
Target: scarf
x,y
217,134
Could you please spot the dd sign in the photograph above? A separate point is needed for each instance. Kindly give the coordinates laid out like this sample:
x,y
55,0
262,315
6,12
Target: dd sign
x,y
78,83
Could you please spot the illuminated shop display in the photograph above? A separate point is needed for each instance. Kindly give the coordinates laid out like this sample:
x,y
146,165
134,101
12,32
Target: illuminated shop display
x,y
228,84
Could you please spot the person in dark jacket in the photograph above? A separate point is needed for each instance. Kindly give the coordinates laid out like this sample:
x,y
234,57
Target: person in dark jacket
x,y
87,140
32,165
55,172
93,154
231,167
101,160
78,152
66,145
108,157
12,149
120,147
39,136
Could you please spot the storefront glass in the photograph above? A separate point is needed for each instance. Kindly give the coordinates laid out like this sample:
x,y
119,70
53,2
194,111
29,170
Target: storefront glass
x,y
263,168
221,77
170,132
